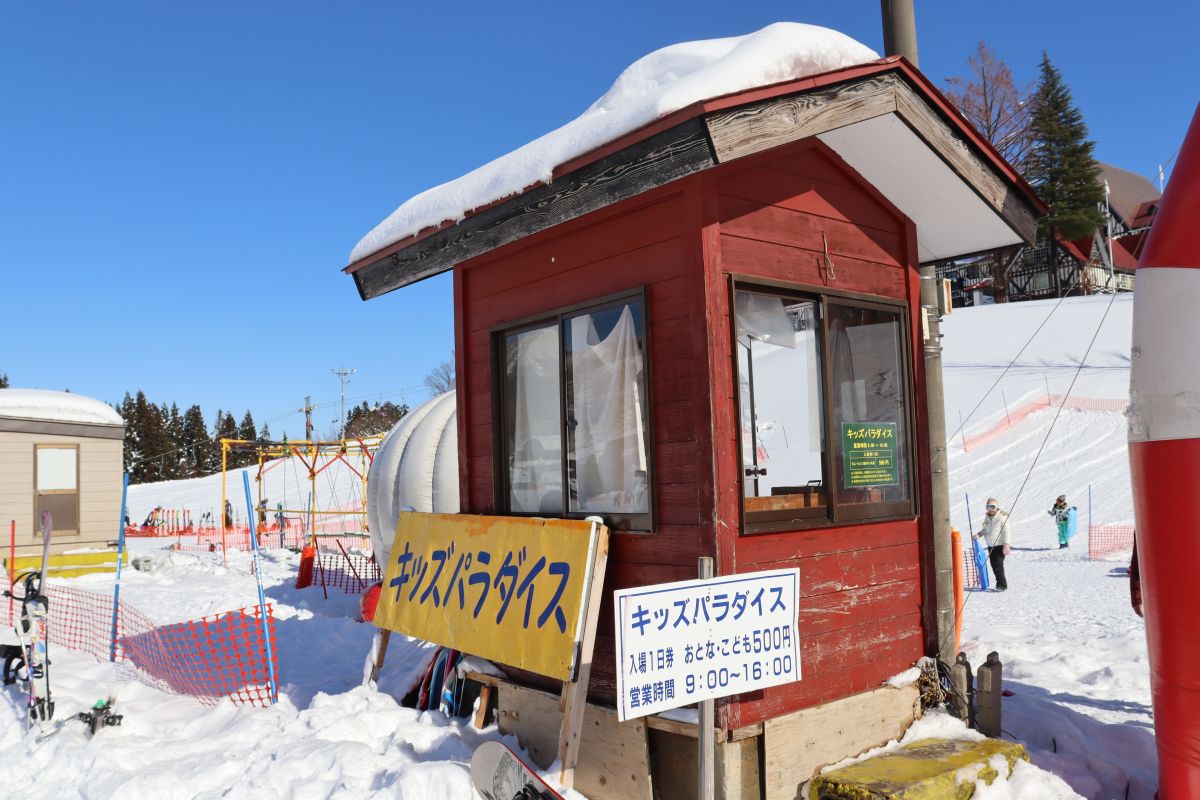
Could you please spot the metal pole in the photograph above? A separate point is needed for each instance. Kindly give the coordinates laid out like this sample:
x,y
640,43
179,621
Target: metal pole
x,y
344,376
970,524
1007,418
943,565
962,430
1089,515
262,600
899,29
112,649
706,764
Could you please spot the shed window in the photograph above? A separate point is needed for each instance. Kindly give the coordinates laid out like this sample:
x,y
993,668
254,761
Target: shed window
x,y
574,414
56,487
823,409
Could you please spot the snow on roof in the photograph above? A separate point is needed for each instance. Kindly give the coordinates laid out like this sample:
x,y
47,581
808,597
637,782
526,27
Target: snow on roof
x,y
45,404
652,87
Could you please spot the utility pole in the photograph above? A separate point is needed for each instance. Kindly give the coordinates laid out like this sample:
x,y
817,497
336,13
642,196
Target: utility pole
x,y
939,468
308,409
344,376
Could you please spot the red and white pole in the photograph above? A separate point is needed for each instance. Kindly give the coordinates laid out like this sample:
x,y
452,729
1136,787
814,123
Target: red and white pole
x,y
1164,457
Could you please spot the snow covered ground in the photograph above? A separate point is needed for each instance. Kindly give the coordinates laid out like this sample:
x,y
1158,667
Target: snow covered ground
x,y
1074,654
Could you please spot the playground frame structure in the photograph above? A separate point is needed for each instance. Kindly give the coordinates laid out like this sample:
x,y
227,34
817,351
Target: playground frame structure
x,y
356,454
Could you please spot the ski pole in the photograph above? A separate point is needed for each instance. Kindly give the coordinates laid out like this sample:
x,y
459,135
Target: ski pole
x,y
12,565
262,600
112,649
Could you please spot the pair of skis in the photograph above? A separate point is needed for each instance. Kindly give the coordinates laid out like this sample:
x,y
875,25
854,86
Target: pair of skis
x,y
32,636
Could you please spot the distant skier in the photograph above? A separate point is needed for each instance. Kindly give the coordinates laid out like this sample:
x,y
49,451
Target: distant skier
x,y
1062,517
996,534
228,514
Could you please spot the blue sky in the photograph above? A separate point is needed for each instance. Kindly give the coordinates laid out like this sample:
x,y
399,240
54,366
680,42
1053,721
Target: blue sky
x,y
182,182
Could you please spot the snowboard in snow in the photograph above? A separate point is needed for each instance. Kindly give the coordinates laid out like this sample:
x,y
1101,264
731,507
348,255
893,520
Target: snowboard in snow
x,y
981,564
500,774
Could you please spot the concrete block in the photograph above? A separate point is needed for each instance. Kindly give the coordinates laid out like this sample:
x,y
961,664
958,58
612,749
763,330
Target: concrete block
x,y
932,769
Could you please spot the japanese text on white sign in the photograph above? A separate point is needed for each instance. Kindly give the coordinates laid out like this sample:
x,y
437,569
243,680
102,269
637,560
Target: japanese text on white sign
x,y
680,643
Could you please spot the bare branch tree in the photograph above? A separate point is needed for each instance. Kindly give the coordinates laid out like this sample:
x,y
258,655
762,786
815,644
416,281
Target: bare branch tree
x,y
991,101
441,378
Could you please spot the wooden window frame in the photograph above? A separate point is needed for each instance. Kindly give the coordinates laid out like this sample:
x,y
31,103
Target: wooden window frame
x,y
625,523
832,514
78,529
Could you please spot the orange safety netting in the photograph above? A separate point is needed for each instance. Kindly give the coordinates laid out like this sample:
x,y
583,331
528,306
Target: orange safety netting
x,y
1020,413
349,572
210,658
1104,540
970,573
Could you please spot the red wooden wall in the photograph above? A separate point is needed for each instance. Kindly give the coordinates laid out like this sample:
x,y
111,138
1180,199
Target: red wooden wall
x,y
862,594
862,590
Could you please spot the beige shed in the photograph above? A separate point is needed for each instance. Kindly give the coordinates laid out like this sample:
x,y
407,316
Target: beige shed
x,y
60,452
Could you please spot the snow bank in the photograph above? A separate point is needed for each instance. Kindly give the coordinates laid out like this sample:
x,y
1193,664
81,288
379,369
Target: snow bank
x,y
652,87
46,404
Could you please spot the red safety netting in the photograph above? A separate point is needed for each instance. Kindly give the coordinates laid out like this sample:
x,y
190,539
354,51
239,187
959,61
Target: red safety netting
x,y
350,572
1104,540
970,573
1020,413
210,658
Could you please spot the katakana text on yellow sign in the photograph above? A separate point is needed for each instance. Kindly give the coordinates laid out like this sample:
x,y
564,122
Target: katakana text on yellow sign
x,y
509,589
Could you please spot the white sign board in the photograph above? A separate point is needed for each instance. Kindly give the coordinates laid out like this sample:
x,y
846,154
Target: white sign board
x,y
680,643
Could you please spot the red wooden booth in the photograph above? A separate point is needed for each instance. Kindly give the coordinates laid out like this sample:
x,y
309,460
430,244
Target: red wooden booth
x,y
686,330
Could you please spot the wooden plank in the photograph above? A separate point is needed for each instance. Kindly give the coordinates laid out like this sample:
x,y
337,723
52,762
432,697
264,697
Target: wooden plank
x,y
796,746
656,161
749,219
772,184
574,693
614,761
752,129
963,159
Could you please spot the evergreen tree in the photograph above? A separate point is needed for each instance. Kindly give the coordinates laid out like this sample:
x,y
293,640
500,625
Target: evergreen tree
x,y
131,450
174,466
3,380
197,444
366,421
248,432
1061,166
152,441
226,429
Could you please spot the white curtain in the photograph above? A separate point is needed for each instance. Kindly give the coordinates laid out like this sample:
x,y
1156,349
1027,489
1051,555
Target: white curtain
x,y
535,460
606,403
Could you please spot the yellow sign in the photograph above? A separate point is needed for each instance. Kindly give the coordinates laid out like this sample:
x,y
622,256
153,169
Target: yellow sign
x,y
509,589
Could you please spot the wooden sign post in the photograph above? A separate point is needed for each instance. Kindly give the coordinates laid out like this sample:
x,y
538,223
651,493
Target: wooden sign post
x,y
519,591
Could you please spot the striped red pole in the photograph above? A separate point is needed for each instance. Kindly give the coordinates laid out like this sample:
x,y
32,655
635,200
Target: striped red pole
x,y
1164,457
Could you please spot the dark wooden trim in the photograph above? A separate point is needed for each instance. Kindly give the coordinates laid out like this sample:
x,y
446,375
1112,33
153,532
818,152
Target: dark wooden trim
x,y
646,165
750,129
744,131
956,152
86,430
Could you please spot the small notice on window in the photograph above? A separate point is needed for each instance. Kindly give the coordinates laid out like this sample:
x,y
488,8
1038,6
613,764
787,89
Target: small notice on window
x,y
870,454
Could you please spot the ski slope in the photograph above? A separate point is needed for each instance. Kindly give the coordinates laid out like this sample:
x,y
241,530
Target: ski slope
x,y
1074,654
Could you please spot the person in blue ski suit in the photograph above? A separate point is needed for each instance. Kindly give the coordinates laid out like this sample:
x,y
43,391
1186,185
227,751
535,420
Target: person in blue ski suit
x,y
1062,514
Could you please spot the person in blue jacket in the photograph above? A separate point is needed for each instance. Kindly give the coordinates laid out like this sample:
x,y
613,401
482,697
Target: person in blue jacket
x,y
1062,515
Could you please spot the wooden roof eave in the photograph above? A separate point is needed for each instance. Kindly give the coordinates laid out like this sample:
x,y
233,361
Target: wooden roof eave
x,y
702,136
